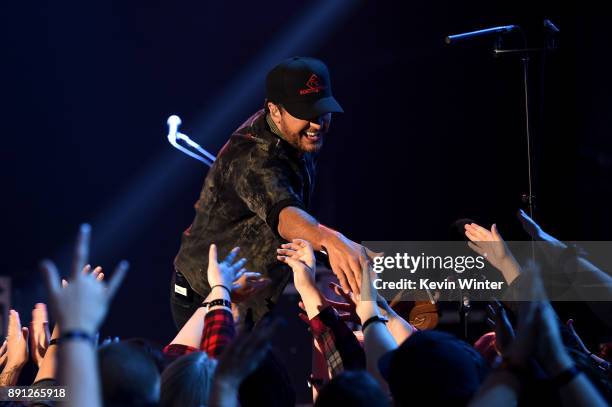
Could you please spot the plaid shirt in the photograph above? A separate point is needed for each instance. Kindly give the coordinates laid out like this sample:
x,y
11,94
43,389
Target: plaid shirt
x,y
218,332
338,343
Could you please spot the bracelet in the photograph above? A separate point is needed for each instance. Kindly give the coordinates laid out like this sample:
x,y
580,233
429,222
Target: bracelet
x,y
222,286
219,301
76,335
371,320
565,376
53,342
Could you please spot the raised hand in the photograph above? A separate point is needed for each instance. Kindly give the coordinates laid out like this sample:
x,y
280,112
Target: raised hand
x,y
491,245
39,333
299,249
225,272
82,305
300,257
16,350
365,301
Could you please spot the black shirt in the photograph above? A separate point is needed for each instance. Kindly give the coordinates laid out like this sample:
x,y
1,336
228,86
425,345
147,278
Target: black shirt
x,y
254,177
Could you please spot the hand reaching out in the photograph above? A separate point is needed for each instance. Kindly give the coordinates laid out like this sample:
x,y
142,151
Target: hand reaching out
x,y
82,305
225,272
300,257
15,350
17,341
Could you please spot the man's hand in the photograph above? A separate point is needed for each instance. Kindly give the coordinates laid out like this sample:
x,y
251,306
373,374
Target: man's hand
x,y
39,333
345,257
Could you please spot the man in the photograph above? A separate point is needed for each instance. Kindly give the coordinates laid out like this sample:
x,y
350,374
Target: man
x,y
256,194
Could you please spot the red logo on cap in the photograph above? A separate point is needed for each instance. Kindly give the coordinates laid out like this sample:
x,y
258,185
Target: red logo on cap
x,y
313,85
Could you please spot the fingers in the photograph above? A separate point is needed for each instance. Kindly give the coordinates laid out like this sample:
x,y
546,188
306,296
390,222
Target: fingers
x,y
231,256
294,247
495,233
239,274
212,254
340,275
96,272
3,348
117,278
294,264
350,271
238,265
14,325
52,278
300,242
339,291
81,249
288,252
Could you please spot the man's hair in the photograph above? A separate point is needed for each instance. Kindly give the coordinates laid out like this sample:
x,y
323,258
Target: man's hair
x,y
128,374
187,381
352,388
267,109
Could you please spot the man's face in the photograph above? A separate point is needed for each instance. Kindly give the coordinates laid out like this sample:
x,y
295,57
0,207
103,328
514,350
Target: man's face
x,y
305,135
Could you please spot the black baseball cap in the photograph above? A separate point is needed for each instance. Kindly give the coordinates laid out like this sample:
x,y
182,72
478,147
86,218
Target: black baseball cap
x,y
433,366
302,85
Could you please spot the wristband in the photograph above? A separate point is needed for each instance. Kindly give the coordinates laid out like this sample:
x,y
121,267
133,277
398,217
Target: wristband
x,y
76,335
220,301
53,342
371,320
565,376
222,286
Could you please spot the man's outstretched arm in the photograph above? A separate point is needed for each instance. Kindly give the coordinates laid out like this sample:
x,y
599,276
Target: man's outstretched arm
x,y
344,254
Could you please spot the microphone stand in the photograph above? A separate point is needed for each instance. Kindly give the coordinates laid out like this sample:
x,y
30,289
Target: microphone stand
x,y
523,53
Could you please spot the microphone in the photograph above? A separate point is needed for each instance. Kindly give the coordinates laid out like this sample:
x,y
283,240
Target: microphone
x,y
550,26
480,33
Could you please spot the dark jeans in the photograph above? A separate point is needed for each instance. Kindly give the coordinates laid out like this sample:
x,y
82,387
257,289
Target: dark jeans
x,y
182,306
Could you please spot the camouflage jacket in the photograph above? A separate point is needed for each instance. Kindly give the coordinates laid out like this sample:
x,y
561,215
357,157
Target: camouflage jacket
x,y
254,177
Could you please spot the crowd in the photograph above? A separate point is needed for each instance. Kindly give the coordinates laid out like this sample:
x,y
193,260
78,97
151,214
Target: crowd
x,y
530,356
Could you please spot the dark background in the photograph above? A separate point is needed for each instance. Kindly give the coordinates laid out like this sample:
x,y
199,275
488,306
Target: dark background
x,y
431,133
